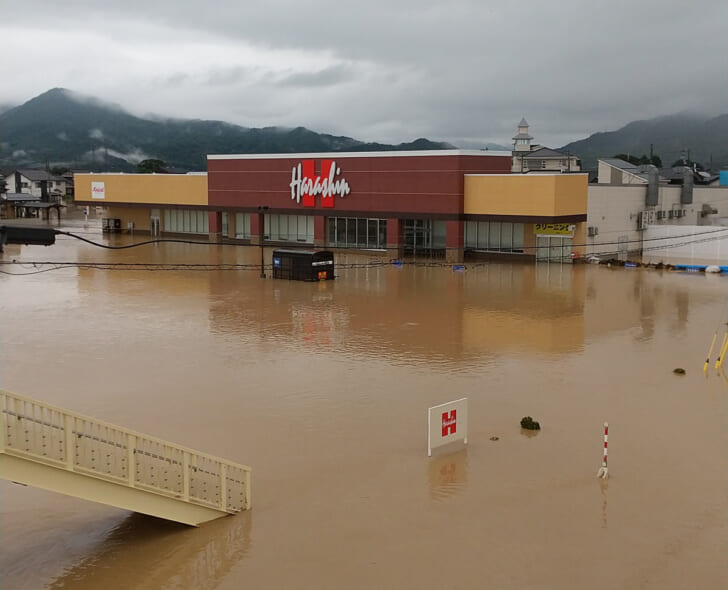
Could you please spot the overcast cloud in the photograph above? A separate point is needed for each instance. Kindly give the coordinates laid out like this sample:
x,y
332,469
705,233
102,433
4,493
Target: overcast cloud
x,y
391,71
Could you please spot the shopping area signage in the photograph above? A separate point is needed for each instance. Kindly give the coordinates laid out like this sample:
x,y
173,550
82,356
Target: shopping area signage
x,y
565,230
306,184
98,190
447,423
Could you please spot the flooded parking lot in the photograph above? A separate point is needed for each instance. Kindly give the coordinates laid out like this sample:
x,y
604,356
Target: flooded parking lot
x,y
323,389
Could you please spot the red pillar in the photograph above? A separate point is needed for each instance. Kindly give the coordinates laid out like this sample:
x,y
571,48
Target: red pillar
x,y
394,238
455,241
257,221
319,231
215,231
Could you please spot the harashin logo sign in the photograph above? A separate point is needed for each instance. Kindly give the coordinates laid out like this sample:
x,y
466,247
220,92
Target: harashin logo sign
x,y
305,185
449,422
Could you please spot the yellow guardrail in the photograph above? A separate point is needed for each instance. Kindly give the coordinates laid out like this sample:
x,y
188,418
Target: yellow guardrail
x,y
39,432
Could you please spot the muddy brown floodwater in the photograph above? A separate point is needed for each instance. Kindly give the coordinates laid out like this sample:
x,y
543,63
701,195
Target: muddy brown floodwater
x,y
323,390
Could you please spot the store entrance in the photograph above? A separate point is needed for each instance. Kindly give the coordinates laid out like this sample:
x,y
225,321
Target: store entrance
x,y
554,249
423,237
417,238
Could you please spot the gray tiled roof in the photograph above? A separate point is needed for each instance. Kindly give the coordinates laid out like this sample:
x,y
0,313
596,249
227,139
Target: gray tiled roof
x,y
621,164
16,197
35,175
545,152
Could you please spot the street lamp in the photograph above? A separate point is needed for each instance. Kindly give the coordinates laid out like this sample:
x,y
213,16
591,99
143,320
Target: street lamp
x,y
261,211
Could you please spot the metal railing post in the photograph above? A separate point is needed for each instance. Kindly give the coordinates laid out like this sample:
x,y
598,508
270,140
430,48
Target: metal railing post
x,y
131,458
186,476
69,443
248,484
3,421
223,486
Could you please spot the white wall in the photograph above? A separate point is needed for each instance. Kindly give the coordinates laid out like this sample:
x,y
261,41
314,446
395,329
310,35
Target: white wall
x,y
614,211
605,173
692,244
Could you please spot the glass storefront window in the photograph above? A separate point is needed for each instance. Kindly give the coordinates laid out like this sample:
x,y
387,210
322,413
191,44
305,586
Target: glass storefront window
x,y
185,221
494,236
290,228
242,226
357,232
361,233
372,232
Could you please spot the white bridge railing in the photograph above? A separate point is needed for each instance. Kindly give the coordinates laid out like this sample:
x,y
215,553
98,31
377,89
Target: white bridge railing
x,y
39,432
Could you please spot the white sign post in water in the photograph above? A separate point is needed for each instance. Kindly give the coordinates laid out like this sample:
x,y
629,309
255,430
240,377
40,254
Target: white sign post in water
x,y
447,423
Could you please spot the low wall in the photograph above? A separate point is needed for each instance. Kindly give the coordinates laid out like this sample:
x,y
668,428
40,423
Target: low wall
x,y
696,244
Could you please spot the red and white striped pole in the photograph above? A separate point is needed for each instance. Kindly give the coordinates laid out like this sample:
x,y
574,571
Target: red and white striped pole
x,y
603,471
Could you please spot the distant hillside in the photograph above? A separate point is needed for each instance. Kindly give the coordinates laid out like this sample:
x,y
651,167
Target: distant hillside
x,y
60,127
669,136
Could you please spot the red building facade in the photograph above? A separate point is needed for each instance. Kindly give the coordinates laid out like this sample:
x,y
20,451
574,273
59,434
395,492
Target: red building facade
x,y
403,201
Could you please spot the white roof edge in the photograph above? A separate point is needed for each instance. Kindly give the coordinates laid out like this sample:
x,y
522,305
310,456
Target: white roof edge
x,y
534,175
137,174
337,155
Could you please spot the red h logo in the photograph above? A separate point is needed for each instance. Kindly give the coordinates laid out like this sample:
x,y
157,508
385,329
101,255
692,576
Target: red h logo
x,y
449,423
305,185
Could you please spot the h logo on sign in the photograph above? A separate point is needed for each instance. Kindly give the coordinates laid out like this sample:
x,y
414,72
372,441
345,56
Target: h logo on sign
x,y
449,422
305,184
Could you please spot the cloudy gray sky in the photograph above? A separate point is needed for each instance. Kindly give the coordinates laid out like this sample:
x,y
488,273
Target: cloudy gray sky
x,y
463,71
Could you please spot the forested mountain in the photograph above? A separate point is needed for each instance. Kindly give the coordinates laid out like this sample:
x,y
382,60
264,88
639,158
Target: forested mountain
x,y
61,128
671,138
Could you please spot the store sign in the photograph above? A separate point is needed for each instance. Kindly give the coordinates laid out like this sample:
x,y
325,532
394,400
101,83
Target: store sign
x,y
447,423
554,229
98,190
305,184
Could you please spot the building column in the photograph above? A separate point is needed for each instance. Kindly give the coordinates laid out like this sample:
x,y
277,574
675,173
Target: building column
x,y
215,225
231,225
319,231
394,238
455,241
257,221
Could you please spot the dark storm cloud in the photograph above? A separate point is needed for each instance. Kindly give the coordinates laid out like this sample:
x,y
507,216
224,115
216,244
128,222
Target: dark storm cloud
x,y
464,71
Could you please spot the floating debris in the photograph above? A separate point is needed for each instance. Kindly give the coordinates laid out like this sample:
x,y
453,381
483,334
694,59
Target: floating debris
x,y
679,371
529,423
494,438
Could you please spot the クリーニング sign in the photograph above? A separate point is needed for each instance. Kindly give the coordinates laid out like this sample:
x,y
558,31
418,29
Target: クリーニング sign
x,y
565,230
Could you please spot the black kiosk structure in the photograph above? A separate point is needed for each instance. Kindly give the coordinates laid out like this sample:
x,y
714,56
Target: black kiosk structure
x,y
303,265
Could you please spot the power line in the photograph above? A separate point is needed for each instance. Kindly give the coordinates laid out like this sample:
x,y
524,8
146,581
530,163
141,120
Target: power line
x,y
356,247
170,266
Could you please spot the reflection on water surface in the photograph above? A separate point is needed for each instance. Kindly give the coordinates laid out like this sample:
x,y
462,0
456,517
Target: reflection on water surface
x,y
323,389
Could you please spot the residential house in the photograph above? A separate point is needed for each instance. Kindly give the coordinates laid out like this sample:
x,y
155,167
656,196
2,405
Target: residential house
x,y
533,158
40,184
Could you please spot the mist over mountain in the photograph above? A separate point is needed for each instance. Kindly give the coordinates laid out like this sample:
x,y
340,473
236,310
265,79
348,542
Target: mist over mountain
x,y
699,137
60,127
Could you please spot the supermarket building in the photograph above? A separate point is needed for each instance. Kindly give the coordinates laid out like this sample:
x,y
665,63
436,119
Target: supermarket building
x,y
454,204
